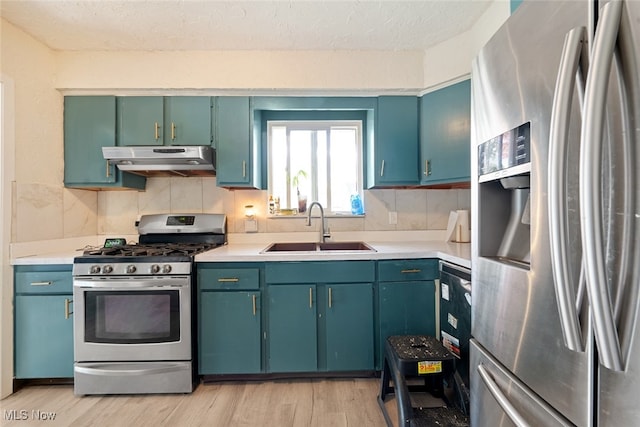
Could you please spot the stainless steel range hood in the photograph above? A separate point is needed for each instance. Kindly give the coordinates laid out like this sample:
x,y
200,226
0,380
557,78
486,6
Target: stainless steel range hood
x,y
163,160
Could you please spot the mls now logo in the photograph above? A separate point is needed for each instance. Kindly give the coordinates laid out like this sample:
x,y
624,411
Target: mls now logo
x,y
23,414
15,415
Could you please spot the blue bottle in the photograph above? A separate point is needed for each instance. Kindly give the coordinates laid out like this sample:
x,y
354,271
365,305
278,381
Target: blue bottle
x,y
356,205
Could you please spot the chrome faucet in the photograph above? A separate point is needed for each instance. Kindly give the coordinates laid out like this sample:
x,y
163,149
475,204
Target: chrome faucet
x,y
325,230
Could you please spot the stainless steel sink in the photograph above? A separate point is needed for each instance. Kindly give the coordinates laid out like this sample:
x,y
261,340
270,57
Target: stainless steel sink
x,y
345,246
314,247
291,247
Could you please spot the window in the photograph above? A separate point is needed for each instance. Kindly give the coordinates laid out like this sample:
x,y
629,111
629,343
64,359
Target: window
x,y
315,161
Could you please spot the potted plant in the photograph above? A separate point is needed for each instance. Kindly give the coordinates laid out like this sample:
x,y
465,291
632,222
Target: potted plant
x,y
302,198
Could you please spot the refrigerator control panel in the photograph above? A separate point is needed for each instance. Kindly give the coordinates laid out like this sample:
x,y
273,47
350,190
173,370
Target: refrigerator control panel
x,y
511,149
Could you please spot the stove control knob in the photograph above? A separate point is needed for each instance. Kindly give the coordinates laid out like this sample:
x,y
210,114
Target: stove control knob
x,y
107,269
166,269
95,269
155,268
131,269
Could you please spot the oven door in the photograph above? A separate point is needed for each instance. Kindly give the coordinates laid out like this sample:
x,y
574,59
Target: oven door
x,y
132,319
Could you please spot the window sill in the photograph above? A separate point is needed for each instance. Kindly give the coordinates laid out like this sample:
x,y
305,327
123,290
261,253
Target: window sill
x,y
314,215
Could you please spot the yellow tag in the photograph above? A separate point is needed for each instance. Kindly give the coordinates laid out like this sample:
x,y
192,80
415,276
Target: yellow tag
x,y
429,367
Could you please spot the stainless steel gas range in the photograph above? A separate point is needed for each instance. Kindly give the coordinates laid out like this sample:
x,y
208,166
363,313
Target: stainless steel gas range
x,y
134,328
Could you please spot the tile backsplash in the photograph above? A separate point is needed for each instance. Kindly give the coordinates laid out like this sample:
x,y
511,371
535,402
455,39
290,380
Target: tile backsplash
x,y
417,209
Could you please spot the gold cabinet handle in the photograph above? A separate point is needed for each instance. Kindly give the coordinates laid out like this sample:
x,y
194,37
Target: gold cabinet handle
x,y
330,298
427,167
43,283
67,313
412,270
173,130
157,128
382,168
228,279
253,297
244,169
108,169
310,297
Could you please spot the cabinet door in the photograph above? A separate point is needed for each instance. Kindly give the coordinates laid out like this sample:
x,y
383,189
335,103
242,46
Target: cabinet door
x,y
89,125
140,120
43,337
234,149
292,330
349,327
229,333
445,138
406,308
187,120
396,141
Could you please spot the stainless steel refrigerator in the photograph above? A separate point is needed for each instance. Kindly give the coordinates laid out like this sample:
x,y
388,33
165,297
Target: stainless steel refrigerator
x,y
556,217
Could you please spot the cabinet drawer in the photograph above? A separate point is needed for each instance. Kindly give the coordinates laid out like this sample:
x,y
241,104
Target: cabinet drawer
x,y
407,269
320,272
229,278
43,280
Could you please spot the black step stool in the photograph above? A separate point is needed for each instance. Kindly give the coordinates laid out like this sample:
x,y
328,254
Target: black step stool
x,y
422,359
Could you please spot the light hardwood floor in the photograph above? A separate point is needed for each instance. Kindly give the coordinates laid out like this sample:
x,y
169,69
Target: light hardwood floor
x,y
313,402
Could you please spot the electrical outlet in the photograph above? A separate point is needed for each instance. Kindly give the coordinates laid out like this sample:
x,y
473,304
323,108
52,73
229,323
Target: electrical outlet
x,y
393,218
250,226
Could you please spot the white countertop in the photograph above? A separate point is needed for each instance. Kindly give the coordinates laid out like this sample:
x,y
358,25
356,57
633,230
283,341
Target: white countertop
x,y
457,253
239,251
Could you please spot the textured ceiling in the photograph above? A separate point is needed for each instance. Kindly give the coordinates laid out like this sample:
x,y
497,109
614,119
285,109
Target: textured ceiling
x,y
243,25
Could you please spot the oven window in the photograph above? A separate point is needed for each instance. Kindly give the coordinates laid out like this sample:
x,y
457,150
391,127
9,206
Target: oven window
x,y
130,317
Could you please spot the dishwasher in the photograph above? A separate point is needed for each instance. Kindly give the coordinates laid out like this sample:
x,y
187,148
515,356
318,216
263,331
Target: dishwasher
x,y
455,314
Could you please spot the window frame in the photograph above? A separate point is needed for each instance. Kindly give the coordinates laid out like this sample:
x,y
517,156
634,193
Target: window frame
x,y
316,125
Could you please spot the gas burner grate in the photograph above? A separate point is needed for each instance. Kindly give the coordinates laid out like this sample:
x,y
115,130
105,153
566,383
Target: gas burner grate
x,y
151,249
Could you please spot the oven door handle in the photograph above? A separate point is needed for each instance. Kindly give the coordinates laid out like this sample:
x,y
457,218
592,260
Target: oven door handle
x,y
107,370
147,285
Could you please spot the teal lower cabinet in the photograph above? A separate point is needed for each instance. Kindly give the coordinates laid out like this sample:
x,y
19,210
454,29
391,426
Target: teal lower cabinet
x,y
229,319
406,299
349,327
43,322
292,328
320,316
229,341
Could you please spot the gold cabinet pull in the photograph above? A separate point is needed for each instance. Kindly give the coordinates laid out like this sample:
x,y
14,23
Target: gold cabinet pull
x,y
330,298
411,270
253,297
67,313
157,128
108,169
43,283
173,130
382,168
244,169
427,167
228,279
310,297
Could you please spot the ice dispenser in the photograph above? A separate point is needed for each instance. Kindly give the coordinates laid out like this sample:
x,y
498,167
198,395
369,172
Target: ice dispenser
x,y
504,196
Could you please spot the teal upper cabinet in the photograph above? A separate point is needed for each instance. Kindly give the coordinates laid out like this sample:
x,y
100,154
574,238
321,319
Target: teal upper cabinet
x,y
393,160
445,141
515,4
140,120
89,125
171,120
237,152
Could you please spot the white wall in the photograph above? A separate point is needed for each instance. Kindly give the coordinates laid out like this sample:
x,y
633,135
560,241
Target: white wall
x,y
246,70
440,65
43,209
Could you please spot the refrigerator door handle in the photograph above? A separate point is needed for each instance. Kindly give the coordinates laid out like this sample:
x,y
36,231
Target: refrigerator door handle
x,y
564,283
604,325
502,400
